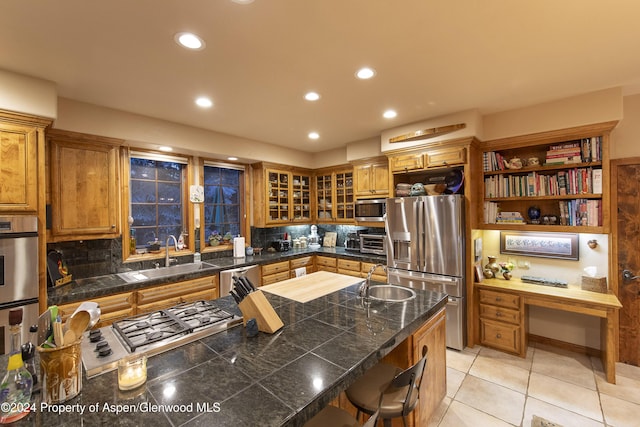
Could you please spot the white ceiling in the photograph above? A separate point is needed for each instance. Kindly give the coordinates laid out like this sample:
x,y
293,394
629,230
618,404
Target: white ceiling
x,y
432,57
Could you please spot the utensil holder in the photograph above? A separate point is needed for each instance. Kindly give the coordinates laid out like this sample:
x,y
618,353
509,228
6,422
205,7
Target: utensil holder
x,y
61,372
255,305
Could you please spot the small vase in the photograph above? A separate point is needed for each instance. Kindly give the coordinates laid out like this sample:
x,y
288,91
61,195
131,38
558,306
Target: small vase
x,y
507,275
493,266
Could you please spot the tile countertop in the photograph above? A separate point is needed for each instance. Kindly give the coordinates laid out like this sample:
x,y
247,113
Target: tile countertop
x,y
229,379
93,287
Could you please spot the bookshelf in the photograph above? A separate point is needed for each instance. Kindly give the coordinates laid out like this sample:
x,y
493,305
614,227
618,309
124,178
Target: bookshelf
x,y
568,184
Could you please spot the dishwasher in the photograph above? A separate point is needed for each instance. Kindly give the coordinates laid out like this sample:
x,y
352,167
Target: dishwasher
x,y
251,272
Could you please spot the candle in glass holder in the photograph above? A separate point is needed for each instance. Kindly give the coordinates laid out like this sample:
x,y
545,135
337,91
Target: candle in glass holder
x,y
132,373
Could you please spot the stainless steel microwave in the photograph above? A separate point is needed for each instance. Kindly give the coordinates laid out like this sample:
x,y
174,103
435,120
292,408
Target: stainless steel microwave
x,y
371,209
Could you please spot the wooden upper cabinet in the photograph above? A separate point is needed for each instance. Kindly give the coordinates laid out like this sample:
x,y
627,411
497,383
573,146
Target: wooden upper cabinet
x,y
84,186
335,195
19,162
445,157
371,179
282,195
406,162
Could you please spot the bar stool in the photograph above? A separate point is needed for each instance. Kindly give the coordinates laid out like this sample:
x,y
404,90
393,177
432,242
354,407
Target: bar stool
x,y
332,416
387,389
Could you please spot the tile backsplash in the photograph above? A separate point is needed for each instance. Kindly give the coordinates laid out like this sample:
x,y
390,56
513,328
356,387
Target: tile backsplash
x,y
90,258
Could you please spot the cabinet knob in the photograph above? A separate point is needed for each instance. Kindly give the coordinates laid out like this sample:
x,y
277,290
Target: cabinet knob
x,y
498,336
113,226
498,314
498,299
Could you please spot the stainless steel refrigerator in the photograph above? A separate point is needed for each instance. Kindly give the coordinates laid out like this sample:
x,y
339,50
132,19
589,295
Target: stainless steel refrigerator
x,y
426,250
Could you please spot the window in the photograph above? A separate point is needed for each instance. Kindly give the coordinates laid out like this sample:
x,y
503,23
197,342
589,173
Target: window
x,y
223,195
157,188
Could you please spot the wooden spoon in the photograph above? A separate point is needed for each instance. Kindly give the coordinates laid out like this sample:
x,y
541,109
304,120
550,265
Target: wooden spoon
x,y
69,337
78,323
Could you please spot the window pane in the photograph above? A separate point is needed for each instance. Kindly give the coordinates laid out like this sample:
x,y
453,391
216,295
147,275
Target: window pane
x,y
143,169
169,193
222,189
143,191
169,215
143,215
230,195
168,171
156,200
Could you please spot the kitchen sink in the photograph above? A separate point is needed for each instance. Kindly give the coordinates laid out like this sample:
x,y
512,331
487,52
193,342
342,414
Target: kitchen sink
x,y
391,293
154,273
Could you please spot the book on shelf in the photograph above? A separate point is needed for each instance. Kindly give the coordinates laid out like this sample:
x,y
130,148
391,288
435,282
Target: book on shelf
x,y
597,181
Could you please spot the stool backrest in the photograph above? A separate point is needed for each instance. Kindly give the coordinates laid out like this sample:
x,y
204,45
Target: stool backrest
x,y
412,379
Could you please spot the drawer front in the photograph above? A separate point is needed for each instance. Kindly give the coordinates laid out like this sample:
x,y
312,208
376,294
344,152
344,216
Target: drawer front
x,y
325,268
502,336
347,264
406,162
456,156
500,314
274,268
379,274
326,261
501,299
274,278
301,262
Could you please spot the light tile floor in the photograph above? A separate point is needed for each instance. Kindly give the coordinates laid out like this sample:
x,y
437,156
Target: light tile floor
x,y
487,388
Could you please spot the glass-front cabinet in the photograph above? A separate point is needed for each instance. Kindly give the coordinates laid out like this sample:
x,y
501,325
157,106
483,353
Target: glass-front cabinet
x,y
286,197
335,195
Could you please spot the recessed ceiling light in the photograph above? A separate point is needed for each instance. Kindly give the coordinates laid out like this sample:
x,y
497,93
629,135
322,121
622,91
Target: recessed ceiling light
x,y
204,102
242,1
389,114
165,149
311,96
365,73
189,40
314,135
232,158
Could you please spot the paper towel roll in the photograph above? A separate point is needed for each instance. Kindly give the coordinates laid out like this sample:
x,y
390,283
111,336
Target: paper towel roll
x,y
238,247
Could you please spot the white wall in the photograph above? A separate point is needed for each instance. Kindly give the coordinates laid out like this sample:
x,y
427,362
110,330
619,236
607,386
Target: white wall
x,y
147,132
27,95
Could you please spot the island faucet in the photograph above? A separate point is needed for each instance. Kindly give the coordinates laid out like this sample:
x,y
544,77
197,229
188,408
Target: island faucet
x,y
167,260
364,288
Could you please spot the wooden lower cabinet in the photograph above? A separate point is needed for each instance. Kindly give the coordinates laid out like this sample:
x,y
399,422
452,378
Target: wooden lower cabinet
x,y
379,275
434,382
165,296
502,324
307,262
325,263
349,267
112,308
275,272
127,304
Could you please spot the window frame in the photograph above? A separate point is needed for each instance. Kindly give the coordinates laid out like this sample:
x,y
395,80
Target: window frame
x,y
245,226
187,208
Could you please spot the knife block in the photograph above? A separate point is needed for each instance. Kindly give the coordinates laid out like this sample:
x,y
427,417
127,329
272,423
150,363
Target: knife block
x,y
255,305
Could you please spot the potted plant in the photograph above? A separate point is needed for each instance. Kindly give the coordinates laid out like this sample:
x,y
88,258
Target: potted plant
x,y
215,238
506,268
227,238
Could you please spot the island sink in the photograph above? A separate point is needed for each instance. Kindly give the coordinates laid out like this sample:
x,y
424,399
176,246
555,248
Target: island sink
x,y
391,293
154,273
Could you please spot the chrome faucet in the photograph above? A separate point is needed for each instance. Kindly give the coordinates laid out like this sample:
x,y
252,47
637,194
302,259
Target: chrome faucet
x,y
364,288
167,260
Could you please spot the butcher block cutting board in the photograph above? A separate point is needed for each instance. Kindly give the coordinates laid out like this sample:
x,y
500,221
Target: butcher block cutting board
x,y
311,286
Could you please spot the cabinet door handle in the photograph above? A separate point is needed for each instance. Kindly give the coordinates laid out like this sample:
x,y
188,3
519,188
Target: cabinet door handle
x,y
498,299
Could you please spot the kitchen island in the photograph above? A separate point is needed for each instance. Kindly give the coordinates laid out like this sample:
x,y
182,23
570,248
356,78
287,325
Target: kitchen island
x,y
269,380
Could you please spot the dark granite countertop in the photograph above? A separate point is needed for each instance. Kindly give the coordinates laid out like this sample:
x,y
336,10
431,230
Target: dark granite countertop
x,y
93,287
229,379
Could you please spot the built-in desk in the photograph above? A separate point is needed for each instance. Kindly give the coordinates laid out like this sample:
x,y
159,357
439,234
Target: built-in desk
x,y
502,308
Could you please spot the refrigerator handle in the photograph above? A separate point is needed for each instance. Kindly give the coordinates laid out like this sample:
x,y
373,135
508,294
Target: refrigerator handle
x,y
420,258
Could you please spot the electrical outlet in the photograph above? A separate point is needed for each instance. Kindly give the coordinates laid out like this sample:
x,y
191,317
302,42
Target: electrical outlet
x,y
525,265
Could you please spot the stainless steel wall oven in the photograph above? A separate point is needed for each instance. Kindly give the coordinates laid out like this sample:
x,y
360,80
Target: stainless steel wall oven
x,y
18,273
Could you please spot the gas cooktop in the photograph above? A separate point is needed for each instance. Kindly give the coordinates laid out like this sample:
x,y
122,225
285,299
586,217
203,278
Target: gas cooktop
x,y
152,333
